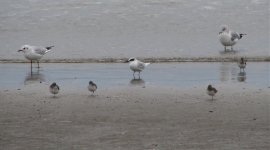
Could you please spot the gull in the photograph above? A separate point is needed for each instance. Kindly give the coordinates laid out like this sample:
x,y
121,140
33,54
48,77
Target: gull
x,y
34,53
92,87
136,66
228,37
54,89
242,64
211,91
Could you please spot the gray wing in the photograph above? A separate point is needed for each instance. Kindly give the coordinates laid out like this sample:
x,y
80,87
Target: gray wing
x,y
235,36
140,65
40,50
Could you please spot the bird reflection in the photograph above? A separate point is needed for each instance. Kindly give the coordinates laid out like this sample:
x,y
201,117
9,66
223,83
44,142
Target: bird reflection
x,y
34,77
137,82
226,53
225,71
241,77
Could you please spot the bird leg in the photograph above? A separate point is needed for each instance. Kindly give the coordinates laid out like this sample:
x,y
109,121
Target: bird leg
x,y
134,74
139,75
31,66
225,48
231,48
38,63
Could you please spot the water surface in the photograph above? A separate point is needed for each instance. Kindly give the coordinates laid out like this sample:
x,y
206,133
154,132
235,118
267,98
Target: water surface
x,y
77,76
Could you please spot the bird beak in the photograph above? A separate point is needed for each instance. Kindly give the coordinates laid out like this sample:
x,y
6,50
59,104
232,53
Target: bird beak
x,y
126,61
20,50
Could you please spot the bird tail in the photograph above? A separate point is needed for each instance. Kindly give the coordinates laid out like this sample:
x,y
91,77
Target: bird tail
x,y
146,64
49,47
241,35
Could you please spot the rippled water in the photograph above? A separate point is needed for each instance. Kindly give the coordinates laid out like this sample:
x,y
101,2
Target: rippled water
x,y
124,28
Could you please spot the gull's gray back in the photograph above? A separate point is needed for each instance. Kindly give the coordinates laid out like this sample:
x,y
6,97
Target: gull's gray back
x,y
40,50
235,36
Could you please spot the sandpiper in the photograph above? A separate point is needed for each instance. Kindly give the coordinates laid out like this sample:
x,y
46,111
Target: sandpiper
x,y
92,87
211,91
242,64
54,89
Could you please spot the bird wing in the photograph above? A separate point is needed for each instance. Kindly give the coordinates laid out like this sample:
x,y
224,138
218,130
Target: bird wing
x,y
40,51
49,47
140,65
234,36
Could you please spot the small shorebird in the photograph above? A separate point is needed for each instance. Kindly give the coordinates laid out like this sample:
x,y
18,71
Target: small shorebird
x,y
211,91
137,66
54,89
228,37
242,64
34,53
92,87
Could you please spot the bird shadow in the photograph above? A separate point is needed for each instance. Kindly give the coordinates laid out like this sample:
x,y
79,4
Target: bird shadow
x,y
54,97
92,95
137,82
228,52
211,100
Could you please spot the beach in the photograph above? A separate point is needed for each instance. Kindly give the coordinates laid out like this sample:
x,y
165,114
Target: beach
x,y
167,109
136,118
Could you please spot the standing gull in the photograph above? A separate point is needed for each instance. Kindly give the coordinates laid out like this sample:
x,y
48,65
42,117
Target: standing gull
x,y
34,53
54,89
137,66
92,87
211,91
228,37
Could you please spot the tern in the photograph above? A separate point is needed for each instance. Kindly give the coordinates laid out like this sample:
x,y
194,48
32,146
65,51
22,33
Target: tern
x,y
136,66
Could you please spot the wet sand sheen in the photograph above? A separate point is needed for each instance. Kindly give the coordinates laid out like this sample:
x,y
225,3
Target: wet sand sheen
x,y
135,118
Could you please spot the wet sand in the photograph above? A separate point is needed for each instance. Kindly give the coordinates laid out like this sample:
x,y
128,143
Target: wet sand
x,y
135,118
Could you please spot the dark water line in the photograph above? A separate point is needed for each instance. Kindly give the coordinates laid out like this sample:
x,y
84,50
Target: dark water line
x,y
153,60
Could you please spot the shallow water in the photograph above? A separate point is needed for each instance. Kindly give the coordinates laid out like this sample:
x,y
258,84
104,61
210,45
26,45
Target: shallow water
x,y
125,28
77,76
